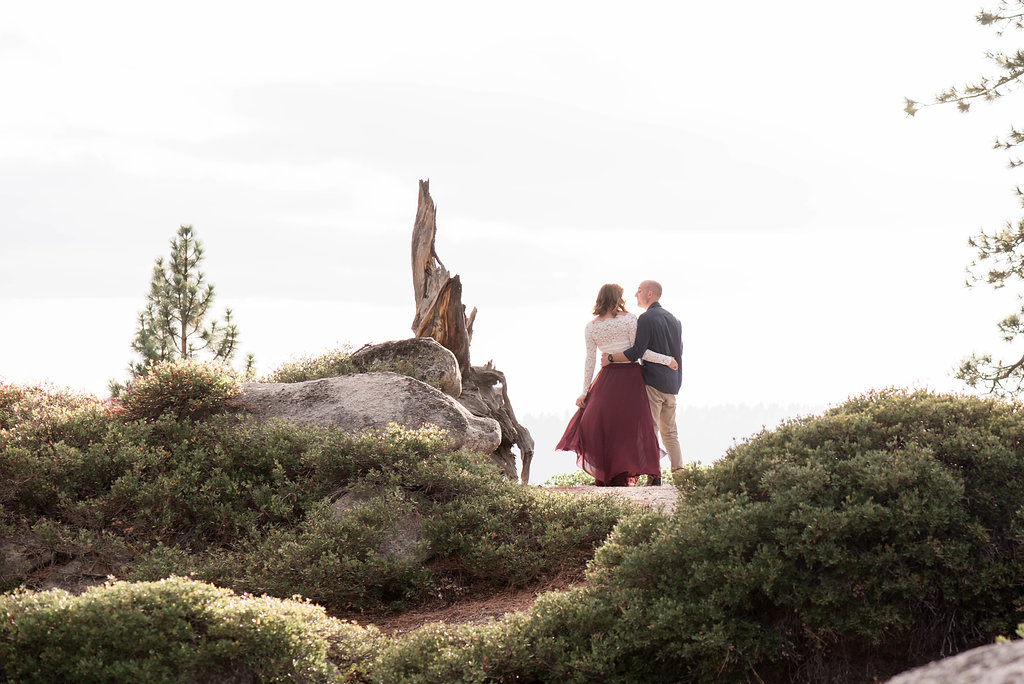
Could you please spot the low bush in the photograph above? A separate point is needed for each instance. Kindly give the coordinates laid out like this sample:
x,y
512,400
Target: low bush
x,y
339,560
46,447
245,504
189,390
846,547
576,478
337,362
200,484
503,534
330,364
31,415
174,630
479,528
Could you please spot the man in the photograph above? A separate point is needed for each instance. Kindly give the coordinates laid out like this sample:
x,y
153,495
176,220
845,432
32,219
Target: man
x,y
659,331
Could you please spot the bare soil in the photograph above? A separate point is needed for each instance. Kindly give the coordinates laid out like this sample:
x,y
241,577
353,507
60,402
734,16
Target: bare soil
x,y
663,497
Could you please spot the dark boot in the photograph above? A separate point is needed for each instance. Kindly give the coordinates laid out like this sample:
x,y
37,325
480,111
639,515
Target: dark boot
x,y
654,481
620,480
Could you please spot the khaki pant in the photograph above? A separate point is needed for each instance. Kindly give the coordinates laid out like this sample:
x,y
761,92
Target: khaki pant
x,y
663,411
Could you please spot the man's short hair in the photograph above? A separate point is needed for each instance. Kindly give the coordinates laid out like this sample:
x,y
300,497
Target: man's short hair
x,y
654,286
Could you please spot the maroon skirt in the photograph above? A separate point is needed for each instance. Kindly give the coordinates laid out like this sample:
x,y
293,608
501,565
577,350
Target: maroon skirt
x,y
613,434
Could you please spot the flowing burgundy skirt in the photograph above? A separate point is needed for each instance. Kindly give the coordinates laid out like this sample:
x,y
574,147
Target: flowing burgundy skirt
x,y
613,434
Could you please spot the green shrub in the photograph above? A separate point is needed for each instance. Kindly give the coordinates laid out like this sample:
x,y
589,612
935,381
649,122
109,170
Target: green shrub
x,y
173,630
188,389
337,362
12,406
45,445
481,529
243,504
200,483
36,414
213,483
886,532
330,364
1019,633
503,534
576,478
341,560
489,530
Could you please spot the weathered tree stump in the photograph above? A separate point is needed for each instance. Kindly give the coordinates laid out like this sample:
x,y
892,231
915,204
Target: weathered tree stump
x,y
440,314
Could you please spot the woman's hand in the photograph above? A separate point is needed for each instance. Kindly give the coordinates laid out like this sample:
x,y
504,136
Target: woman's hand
x,y
673,365
582,399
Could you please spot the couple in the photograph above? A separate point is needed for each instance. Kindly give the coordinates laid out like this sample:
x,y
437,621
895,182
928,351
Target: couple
x,y
615,431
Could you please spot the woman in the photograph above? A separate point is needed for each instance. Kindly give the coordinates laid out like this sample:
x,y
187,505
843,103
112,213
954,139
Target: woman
x,y
613,432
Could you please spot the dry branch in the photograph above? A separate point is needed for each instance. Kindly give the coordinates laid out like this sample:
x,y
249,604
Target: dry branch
x,y
441,314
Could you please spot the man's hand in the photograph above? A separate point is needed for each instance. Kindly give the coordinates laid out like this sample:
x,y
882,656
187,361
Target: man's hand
x,y
673,365
604,360
582,399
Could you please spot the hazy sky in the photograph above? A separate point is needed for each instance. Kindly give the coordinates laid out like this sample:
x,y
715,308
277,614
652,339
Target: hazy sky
x,y
753,157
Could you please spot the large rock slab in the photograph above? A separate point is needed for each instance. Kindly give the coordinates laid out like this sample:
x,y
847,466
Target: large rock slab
x,y
354,403
434,363
992,664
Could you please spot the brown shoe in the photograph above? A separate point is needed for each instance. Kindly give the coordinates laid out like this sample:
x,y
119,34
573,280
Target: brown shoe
x,y
653,481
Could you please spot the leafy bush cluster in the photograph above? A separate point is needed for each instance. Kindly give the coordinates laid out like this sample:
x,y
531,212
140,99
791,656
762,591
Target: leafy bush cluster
x,y
838,548
479,528
41,432
337,362
173,630
844,547
191,390
37,408
576,478
251,505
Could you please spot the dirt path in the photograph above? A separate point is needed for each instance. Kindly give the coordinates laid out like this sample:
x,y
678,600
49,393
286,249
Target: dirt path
x,y
472,609
483,606
663,497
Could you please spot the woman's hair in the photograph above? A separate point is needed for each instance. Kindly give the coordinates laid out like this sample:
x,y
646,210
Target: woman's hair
x,y
609,299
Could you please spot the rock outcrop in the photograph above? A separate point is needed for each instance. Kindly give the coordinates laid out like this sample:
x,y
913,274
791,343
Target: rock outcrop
x,y
355,403
433,362
992,664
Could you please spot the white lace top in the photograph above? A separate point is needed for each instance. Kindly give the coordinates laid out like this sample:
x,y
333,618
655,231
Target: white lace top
x,y
611,336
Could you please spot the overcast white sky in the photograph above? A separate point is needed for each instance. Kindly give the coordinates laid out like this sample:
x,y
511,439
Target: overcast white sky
x,y
753,157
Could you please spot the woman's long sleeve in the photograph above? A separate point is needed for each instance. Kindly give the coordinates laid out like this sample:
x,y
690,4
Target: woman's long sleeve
x,y
588,366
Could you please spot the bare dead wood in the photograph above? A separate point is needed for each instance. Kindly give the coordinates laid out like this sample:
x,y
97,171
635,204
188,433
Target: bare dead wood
x,y
439,310
485,393
441,314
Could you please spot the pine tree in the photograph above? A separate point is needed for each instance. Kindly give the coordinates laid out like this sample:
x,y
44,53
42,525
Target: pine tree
x,y
999,255
172,326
